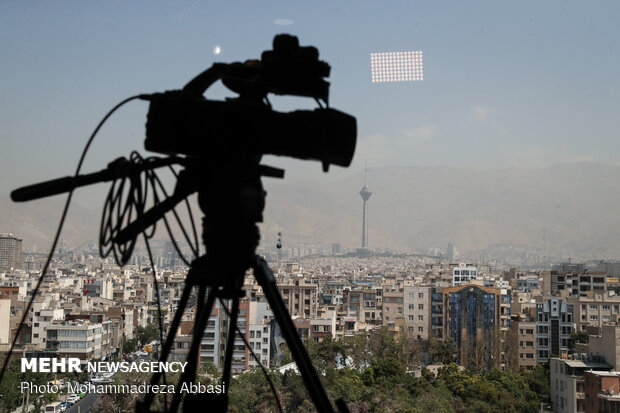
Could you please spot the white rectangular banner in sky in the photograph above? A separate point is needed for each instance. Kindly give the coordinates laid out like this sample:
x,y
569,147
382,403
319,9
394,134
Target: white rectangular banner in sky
x,y
397,66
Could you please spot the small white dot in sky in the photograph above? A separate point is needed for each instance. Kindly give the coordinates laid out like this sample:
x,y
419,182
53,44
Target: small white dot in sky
x,y
216,50
283,22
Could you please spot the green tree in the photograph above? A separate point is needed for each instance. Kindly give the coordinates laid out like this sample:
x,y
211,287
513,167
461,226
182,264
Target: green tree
x,y
346,385
326,352
130,345
147,334
10,386
442,351
380,383
357,350
577,337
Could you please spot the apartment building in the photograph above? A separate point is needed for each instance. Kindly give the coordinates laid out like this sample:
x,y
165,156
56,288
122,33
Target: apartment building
x,y
471,317
554,323
526,341
595,309
393,306
602,391
83,340
417,307
567,382
301,298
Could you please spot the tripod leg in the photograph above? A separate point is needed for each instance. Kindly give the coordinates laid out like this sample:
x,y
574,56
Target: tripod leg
x,y
148,398
230,340
189,374
265,278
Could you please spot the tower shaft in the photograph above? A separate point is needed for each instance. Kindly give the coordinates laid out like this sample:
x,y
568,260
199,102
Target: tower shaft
x,y
364,236
365,194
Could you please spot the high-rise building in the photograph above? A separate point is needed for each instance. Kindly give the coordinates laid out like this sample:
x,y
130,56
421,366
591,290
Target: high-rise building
x,y
10,252
365,194
451,253
472,319
335,248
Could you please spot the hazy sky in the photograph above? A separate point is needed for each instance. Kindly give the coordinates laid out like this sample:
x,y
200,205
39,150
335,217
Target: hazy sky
x,y
506,83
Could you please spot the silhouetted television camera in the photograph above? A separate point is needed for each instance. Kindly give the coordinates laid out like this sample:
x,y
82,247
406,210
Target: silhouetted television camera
x,y
184,122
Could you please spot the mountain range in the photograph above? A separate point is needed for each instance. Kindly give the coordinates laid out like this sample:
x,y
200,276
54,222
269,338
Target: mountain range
x,y
570,210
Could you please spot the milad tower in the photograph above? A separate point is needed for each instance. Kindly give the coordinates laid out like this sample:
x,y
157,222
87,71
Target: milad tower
x,y
365,193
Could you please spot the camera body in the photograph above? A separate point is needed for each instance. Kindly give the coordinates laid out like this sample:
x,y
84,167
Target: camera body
x,y
185,122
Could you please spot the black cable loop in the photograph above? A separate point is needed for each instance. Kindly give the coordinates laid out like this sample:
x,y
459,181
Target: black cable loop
x,y
125,202
156,183
195,247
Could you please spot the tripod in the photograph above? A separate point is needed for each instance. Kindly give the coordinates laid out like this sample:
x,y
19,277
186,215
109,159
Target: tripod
x,y
231,207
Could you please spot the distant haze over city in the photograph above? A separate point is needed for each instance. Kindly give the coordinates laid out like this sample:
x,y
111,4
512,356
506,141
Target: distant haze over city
x,y
413,209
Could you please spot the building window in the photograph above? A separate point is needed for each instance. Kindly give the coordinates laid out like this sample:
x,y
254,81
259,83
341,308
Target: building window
x,y
420,306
